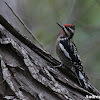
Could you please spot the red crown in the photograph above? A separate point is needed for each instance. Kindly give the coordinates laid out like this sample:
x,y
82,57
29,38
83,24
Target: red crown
x,y
66,25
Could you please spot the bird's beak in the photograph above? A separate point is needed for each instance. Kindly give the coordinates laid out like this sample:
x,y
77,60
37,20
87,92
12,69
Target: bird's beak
x,y
60,25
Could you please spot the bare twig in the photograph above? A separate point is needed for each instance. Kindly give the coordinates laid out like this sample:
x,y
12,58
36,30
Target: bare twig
x,y
33,36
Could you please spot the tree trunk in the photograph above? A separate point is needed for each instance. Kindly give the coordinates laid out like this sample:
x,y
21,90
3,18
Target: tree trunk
x,y
28,73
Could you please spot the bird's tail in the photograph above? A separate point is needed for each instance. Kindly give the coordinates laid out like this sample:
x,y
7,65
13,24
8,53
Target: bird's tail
x,y
82,78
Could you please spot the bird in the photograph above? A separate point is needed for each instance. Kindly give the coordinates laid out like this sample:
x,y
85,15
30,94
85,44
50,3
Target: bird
x,y
68,54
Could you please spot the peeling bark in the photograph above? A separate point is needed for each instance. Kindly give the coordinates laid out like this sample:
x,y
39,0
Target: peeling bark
x,y
28,73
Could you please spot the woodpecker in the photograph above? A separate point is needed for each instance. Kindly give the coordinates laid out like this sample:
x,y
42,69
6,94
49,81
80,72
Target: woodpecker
x,y
68,54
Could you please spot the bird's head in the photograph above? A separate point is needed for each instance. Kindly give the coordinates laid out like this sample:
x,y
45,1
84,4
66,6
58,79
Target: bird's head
x,y
68,30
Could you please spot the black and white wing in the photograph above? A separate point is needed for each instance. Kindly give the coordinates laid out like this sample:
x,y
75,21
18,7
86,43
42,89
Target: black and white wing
x,y
70,51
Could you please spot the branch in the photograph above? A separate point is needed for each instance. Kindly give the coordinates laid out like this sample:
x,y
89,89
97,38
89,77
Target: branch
x,y
28,72
33,36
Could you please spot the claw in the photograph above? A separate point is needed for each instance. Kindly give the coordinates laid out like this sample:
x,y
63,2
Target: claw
x,y
58,66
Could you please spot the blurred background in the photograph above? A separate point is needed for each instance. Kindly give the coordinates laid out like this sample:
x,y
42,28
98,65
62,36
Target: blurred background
x,y
41,16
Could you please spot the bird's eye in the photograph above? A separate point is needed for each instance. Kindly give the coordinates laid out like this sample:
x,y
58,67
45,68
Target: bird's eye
x,y
73,27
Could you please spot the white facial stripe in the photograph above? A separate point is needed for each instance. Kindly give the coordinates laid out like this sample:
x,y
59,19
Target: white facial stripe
x,y
66,30
65,52
71,29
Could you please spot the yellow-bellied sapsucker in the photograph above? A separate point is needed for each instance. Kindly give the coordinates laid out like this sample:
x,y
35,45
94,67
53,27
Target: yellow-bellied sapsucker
x,y
68,54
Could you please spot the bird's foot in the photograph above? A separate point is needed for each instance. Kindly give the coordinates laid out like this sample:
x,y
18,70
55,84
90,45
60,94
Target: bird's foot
x,y
59,66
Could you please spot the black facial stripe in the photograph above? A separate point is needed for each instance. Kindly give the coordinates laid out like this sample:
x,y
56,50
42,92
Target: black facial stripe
x,y
69,30
72,27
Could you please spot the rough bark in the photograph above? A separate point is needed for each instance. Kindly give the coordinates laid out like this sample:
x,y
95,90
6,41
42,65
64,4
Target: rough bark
x,y
28,73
